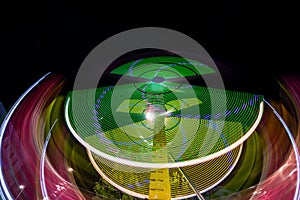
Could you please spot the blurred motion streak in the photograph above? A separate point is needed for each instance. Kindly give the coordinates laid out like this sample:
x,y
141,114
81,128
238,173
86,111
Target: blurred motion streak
x,y
266,169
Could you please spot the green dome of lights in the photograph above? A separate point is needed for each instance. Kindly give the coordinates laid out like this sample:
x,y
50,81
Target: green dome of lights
x,y
159,124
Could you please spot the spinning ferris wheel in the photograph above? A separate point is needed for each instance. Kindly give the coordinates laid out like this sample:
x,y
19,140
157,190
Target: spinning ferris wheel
x,y
154,135
156,126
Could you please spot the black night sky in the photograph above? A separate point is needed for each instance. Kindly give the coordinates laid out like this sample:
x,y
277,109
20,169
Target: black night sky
x,y
257,41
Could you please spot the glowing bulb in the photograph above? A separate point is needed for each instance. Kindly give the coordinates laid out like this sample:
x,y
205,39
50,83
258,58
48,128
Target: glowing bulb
x,y
21,187
70,169
150,116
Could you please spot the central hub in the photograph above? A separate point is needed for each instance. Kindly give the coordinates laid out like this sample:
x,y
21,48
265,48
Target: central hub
x,y
158,79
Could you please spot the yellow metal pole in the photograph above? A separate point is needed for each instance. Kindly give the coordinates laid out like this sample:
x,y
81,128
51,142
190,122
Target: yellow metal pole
x,y
159,178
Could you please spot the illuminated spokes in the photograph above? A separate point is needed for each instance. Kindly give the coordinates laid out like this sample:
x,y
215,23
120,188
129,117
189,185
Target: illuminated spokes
x,y
161,74
165,67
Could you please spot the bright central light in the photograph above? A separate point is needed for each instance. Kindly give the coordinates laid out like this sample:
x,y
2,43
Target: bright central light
x,y
70,169
21,187
150,116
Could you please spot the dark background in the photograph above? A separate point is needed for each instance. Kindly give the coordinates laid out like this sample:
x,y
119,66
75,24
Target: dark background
x,y
258,41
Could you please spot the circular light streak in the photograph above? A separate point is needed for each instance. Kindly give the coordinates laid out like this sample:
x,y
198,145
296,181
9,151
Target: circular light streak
x,y
125,119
